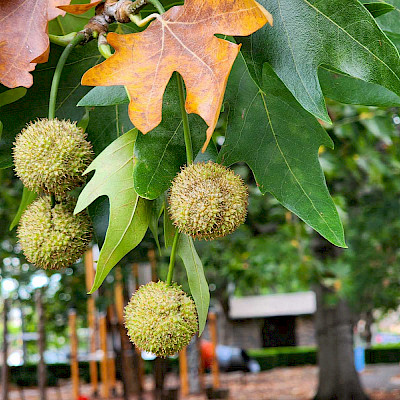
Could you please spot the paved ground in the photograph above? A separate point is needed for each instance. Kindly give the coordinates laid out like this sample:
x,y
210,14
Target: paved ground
x,y
297,383
384,377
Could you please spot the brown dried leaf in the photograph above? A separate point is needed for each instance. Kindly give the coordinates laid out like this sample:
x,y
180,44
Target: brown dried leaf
x,y
180,40
23,38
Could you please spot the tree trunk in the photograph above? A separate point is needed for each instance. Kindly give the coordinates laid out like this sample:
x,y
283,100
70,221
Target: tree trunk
x,y
160,370
24,349
369,320
4,369
338,379
42,346
193,357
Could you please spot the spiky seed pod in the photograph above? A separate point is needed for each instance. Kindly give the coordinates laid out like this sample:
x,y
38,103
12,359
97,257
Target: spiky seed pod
x,y
53,238
207,201
51,156
161,319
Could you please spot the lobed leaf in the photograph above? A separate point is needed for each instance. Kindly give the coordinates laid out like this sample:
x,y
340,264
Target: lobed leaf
x,y
129,213
183,40
270,131
341,34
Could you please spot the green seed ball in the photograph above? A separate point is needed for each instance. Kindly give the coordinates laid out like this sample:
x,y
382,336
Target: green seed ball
x,y
161,319
51,156
207,201
53,238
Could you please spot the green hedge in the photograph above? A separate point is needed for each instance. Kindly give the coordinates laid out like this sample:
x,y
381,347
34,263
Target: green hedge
x,y
273,357
383,354
268,358
26,375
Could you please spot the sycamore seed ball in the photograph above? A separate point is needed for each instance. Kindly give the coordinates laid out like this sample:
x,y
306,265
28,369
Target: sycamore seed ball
x,y
53,238
161,319
207,201
51,156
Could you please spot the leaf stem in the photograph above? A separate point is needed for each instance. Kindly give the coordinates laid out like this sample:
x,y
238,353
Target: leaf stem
x,y
57,74
142,22
189,149
172,258
185,120
64,40
105,50
189,158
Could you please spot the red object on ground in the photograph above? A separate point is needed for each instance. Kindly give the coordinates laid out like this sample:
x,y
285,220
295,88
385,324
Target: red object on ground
x,y
83,398
206,354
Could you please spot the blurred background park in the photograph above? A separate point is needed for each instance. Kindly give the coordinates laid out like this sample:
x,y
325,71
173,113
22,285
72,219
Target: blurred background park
x,y
289,312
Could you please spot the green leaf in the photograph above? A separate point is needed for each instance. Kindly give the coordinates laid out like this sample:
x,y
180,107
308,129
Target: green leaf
x,y
349,90
169,229
107,124
211,154
197,281
395,38
391,22
161,152
378,8
157,209
309,33
84,122
105,96
109,117
129,214
35,103
12,95
279,140
27,198
8,97
99,212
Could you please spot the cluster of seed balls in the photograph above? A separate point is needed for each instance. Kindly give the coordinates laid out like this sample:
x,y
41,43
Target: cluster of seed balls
x,y
207,201
50,157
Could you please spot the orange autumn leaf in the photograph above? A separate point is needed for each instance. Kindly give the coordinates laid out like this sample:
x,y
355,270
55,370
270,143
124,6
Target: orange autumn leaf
x,y
79,8
180,40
